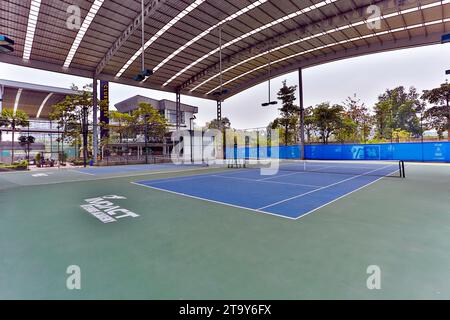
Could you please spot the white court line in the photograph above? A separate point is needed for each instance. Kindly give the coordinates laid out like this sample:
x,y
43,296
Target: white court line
x,y
292,173
283,175
260,210
111,177
312,191
222,175
343,196
214,201
314,169
90,174
197,176
265,181
176,179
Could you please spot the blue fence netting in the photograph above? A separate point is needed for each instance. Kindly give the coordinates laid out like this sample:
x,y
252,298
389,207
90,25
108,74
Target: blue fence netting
x,y
408,151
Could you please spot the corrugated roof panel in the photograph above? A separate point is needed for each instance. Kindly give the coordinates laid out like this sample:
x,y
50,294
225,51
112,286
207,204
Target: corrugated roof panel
x,y
53,40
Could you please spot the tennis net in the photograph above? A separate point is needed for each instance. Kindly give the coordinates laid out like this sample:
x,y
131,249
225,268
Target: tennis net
x,y
355,167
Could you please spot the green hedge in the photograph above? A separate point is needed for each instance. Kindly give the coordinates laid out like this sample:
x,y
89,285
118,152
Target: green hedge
x,y
78,162
22,165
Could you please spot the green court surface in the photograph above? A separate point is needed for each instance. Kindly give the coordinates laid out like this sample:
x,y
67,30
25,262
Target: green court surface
x,y
186,248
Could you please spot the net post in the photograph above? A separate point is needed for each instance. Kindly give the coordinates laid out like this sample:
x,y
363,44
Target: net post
x,y
235,152
403,169
247,151
257,145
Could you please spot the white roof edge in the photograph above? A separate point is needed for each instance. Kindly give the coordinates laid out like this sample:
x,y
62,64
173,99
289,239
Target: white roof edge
x,y
37,87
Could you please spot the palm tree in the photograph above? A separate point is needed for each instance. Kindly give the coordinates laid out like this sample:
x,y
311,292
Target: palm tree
x,y
11,119
25,142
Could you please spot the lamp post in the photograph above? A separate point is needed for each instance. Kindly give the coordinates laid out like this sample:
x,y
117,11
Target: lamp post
x,y
448,116
146,138
224,138
191,119
28,146
445,38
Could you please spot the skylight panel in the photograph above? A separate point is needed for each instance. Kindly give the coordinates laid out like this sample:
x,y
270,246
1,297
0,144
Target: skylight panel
x,y
344,27
248,34
82,31
180,16
31,28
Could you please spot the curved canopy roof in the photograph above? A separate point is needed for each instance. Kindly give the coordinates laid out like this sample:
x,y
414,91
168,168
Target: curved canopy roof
x,y
36,100
182,37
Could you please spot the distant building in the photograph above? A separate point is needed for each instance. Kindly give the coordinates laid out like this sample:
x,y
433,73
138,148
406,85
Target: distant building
x,y
36,101
133,148
166,108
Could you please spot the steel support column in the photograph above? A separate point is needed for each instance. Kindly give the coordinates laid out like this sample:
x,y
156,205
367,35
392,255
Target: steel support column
x,y
219,112
178,109
94,120
222,128
302,115
2,88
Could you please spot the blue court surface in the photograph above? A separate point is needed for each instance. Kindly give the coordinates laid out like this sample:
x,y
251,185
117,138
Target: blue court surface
x,y
288,194
95,171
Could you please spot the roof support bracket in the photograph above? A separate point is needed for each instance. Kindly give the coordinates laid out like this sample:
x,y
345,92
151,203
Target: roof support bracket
x,y
149,10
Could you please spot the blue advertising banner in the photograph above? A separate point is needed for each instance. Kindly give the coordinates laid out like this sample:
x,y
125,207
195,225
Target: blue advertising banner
x,y
104,108
407,151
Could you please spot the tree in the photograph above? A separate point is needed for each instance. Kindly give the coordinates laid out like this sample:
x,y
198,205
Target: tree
x,y
327,119
64,115
150,120
308,119
215,124
11,119
347,129
72,114
399,134
383,120
84,104
25,142
289,112
359,114
120,123
438,116
286,137
145,120
397,109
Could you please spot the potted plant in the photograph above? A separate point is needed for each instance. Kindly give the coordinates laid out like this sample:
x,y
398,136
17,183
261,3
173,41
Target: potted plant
x,y
38,159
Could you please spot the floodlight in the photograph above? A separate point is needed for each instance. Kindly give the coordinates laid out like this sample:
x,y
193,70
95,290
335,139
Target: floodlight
x,y
219,93
143,74
6,44
5,41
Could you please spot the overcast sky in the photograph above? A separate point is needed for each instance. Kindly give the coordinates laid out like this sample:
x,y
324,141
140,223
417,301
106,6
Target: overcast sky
x,y
366,76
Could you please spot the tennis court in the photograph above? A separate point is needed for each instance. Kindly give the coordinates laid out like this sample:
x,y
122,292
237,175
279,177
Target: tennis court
x,y
99,171
183,247
293,190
